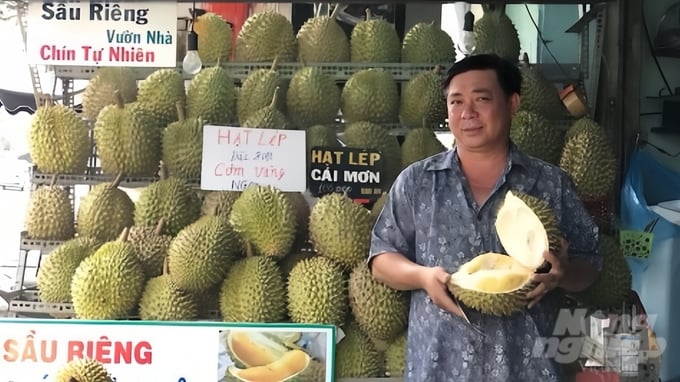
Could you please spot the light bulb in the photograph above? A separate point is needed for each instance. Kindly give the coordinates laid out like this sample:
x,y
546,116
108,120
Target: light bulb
x,y
468,35
192,61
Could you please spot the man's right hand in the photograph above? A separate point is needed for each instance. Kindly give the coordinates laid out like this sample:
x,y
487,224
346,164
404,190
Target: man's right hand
x,y
434,281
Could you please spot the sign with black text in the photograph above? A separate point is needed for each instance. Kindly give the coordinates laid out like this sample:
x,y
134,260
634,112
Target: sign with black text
x,y
141,351
102,33
353,171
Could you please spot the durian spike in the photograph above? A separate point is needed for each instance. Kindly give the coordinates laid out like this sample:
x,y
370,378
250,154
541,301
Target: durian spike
x,y
369,14
159,227
117,180
53,181
124,235
162,170
120,102
180,111
275,63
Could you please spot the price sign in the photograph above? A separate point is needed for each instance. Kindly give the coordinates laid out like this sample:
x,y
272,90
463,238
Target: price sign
x,y
356,172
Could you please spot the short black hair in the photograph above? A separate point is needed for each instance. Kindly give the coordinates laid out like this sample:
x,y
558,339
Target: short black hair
x,y
509,75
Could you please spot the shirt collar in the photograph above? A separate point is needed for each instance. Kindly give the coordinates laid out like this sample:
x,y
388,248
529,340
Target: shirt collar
x,y
444,161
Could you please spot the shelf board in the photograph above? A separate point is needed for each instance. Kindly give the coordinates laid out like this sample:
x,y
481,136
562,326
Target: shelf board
x,y
92,176
44,246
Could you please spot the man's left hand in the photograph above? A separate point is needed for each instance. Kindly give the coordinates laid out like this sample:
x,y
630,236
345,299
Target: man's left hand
x,y
550,280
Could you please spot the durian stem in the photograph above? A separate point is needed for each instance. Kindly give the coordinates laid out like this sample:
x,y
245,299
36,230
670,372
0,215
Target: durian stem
x,y
525,59
162,171
275,97
159,227
275,63
369,14
437,69
249,249
180,111
166,267
117,180
426,123
336,10
120,102
54,180
124,235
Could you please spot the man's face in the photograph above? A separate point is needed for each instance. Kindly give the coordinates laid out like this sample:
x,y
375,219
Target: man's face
x,y
479,112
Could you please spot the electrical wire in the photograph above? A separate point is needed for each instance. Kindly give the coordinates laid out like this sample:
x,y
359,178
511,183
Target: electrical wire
x,y
545,43
656,59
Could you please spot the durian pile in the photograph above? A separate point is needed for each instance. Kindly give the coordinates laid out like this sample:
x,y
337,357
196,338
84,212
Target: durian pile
x,y
257,255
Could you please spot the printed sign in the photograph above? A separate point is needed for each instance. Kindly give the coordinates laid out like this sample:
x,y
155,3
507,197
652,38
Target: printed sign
x,y
346,170
142,351
234,157
102,33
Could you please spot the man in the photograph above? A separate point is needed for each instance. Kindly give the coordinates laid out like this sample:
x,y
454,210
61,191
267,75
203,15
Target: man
x,y
440,214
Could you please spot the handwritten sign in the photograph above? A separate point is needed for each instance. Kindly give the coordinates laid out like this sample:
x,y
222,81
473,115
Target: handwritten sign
x,y
140,351
106,33
234,157
348,170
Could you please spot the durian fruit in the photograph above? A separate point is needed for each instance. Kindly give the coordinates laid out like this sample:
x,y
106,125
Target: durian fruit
x,y
374,40
58,140
581,125
105,211
427,43
265,36
162,300
103,85
419,144
219,202
496,34
301,210
269,117
288,262
317,292
422,99
208,302
151,246
57,269
214,38
107,285
612,286
590,162
313,98
367,135
496,283
211,96
201,254
535,136
340,229
264,218
159,93
170,198
50,214
380,311
370,95
294,365
254,291
258,89
83,370
538,94
356,356
322,39
128,139
182,147
395,357
252,348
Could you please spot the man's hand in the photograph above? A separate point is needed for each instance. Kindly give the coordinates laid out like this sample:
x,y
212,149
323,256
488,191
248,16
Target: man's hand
x,y
549,281
434,282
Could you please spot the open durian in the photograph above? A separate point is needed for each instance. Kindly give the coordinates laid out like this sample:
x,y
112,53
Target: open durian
x,y
496,283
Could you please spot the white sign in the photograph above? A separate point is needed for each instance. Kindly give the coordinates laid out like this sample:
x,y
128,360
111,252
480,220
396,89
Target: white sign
x,y
142,351
234,157
102,33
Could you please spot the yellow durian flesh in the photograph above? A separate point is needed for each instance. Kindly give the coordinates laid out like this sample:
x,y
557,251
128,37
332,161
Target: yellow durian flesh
x,y
286,368
496,283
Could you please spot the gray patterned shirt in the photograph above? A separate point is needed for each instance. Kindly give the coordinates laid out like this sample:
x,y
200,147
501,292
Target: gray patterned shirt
x,y
431,217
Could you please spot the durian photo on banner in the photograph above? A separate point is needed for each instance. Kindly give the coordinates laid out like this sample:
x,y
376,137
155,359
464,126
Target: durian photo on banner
x,y
164,351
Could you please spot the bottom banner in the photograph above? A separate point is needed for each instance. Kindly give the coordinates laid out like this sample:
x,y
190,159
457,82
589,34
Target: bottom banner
x,y
141,351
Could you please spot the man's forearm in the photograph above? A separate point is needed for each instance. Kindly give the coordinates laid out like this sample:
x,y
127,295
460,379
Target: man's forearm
x,y
578,276
397,272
